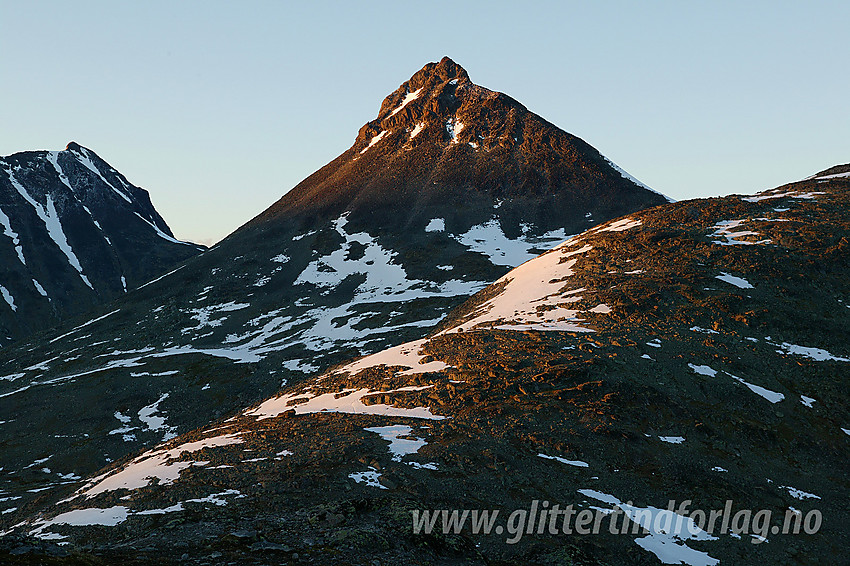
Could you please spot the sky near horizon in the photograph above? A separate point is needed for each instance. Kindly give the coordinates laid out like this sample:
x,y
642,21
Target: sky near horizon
x,y
219,108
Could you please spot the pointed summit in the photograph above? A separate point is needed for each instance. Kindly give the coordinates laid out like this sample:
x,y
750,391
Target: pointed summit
x,y
445,70
434,86
433,95
440,137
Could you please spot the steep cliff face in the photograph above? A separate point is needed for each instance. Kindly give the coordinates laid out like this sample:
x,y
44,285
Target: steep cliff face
x,y
77,235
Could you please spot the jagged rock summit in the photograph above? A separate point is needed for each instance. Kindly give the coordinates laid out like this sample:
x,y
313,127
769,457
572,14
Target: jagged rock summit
x,y
77,234
444,106
439,139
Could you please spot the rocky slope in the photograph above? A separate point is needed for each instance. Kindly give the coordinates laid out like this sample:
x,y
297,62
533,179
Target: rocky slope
x,y
76,234
696,351
371,251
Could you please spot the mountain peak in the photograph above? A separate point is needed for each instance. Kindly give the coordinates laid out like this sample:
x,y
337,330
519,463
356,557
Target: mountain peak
x,y
84,152
81,235
440,115
441,100
445,70
440,134
432,92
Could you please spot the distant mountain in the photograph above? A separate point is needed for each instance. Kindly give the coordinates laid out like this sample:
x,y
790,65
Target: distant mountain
x,y
447,190
75,234
695,352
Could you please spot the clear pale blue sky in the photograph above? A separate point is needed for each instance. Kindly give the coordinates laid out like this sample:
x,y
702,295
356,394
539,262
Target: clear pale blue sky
x,y
218,108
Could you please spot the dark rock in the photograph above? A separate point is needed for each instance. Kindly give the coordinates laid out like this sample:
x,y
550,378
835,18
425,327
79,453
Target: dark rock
x,y
82,236
266,546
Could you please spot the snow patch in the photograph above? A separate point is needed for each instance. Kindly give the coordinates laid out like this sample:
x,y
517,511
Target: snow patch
x,y
739,282
816,354
406,355
204,314
532,298
216,498
410,97
160,464
155,423
84,159
400,447
53,158
489,239
774,194
703,330
453,128
375,140
7,296
82,518
799,493
836,176
668,532
621,225
238,355
726,229
6,223
703,370
161,277
301,236
628,177
436,225
576,463
83,325
345,401
50,218
162,234
370,478
771,396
